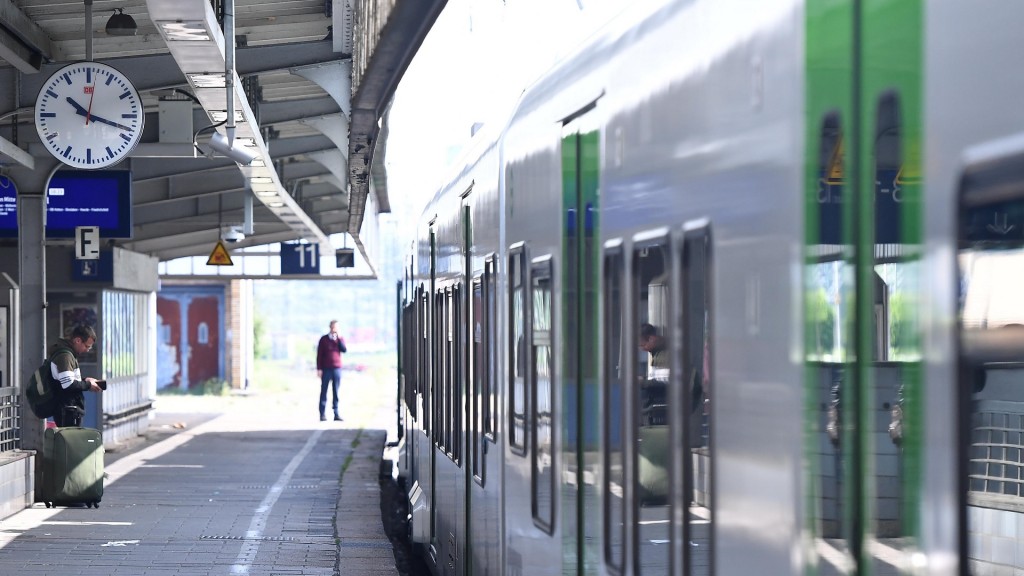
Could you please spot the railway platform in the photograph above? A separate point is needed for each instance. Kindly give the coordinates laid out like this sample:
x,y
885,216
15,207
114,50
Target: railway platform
x,y
250,484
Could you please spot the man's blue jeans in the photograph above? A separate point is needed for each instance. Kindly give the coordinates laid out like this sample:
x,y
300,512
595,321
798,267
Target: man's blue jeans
x,y
333,377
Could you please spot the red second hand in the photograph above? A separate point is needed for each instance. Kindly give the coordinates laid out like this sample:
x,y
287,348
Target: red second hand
x,y
88,112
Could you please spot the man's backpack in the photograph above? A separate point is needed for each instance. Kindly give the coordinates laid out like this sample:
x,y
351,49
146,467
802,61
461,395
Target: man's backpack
x,y
41,391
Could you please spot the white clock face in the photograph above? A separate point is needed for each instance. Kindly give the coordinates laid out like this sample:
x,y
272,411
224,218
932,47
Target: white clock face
x,y
88,115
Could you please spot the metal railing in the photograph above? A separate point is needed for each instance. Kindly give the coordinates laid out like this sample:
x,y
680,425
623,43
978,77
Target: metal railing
x,y
997,444
10,418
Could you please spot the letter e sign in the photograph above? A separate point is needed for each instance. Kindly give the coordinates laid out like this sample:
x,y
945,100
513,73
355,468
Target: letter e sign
x,y
87,243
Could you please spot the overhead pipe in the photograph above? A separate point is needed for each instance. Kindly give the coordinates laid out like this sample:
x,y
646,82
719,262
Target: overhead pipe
x,y
229,66
88,30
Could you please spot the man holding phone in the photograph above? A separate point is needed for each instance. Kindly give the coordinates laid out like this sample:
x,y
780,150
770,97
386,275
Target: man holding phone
x,y
65,371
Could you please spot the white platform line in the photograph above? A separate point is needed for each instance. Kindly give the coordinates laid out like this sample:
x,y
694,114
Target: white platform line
x,y
259,520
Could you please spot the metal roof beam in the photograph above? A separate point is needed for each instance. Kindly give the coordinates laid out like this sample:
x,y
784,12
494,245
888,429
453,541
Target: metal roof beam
x,y
296,110
407,25
228,209
160,71
201,246
200,243
23,43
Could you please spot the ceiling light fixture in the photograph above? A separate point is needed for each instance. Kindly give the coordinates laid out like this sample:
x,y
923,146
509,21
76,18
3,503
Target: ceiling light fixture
x,y
121,24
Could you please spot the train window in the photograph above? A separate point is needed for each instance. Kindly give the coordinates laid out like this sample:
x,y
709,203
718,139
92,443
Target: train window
x,y
616,355
425,369
440,376
437,394
490,384
896,366
991,360
455,389
477,384
518,349
449,373
695,404
408,357
542,394
652,454
828,302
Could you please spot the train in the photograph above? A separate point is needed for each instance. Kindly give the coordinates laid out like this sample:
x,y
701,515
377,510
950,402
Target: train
x,y
736,289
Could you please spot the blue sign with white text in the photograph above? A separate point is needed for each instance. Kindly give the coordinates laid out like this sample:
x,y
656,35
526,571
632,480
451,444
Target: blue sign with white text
x,y
297,258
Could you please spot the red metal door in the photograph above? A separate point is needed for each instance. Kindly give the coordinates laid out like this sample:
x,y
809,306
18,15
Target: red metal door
x,y
168,349
203,339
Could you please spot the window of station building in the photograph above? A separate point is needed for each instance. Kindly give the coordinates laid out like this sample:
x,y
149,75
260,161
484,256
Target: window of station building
x,y
542,394
518,350
697,465
616,356
652,447
991,356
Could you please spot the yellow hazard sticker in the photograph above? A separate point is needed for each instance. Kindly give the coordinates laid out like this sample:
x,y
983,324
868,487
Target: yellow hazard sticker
x,y
219,256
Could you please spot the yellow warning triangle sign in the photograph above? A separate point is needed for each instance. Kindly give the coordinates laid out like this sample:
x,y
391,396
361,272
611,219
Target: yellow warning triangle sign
x,y
835,164
219,256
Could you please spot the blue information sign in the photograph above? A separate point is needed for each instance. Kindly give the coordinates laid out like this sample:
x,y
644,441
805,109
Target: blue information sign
x,y
101,270
297,258
77,198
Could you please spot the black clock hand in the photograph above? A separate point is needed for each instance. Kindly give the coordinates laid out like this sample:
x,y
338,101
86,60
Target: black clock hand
x,y
78,107
96,118
81,111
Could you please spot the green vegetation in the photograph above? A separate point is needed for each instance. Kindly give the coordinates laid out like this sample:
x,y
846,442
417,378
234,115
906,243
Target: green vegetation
x,y
260,343
211,387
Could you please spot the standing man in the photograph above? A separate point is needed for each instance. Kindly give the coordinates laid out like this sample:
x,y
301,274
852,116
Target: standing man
x,y
64,367
328,367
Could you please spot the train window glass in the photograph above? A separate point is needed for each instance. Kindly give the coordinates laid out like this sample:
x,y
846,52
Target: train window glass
x,y
697,384
517,350
652,454
490,397
439,375
408,357
991,361
542,394
616,355
458,344
477,384
425,369
828,305
896,367
449,369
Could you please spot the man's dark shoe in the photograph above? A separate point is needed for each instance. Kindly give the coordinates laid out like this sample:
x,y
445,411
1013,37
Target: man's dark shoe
x,y
323,418
337,418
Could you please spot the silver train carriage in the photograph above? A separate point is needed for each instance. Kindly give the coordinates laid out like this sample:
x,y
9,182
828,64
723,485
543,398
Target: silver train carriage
x,y
738,289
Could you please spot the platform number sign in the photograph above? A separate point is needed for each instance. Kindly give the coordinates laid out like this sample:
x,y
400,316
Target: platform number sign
x,y
87,242
298,258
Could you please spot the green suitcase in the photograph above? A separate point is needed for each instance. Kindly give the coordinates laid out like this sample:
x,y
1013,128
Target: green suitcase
x,y
72,466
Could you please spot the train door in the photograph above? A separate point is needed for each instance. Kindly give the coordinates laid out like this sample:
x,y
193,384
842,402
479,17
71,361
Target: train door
x,y
862,291
482,549
580,416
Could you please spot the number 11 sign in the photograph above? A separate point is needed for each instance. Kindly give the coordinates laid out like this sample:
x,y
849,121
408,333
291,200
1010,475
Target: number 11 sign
x,y
298,258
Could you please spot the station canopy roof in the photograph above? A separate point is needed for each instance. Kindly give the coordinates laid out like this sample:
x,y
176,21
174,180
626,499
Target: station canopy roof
x,y
314,80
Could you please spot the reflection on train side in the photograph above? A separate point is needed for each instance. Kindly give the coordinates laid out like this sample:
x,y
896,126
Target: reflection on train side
x,y
991,263
671,375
